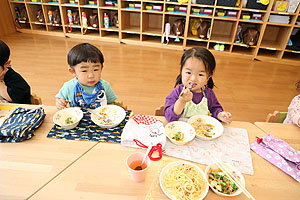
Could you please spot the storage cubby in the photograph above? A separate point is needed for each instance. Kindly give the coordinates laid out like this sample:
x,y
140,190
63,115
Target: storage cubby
x,y
51,2
156,7
226,14
243,49
244,26
291,55
70,3
76,24
269,53
213,44
111,14
131,5
151,39
130,36
33,10
194,43
223,31
253,17
152,23
143,22
171,19
275,37
130,22
193,33
110,34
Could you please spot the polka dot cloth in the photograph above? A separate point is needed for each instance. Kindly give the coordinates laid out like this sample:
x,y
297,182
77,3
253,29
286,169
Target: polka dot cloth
x,y
144,119
280,154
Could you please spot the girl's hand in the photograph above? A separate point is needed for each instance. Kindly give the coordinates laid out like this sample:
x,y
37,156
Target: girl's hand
x,y
225,117
61,103
186,95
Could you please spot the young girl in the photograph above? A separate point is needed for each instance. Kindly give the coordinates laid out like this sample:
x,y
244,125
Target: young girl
x,y
87,89
293,115
194,94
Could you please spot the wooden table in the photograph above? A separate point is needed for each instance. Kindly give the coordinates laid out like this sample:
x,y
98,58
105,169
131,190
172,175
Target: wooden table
x,y
27,166
102,174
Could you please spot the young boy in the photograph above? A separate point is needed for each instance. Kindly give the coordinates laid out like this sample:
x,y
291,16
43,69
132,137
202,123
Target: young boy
x,y
13,88
87,89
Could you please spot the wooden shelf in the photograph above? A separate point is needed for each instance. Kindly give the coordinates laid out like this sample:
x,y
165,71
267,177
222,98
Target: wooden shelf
x,y
146,27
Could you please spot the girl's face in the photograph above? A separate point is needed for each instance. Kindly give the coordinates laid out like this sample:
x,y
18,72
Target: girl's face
x,y
193,74
87,73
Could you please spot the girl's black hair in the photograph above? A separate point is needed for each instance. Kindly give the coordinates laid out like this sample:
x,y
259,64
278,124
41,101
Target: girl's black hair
x,y
298,85
84,52
4,53
202,54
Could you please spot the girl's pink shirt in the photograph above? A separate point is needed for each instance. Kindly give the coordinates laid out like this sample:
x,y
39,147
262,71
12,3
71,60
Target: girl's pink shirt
x,y
293,114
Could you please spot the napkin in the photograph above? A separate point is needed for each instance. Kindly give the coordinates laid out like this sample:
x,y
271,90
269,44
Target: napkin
x,y
142,130
279,153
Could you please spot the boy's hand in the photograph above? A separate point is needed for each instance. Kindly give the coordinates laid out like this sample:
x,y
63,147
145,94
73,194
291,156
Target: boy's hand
x,y
225,117
61,103
186,95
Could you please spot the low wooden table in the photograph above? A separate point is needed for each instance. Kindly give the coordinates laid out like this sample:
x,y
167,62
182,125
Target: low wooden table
x,y
102,174
27,166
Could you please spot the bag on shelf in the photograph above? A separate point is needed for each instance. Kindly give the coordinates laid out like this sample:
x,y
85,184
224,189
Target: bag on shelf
x,y
203,29
40,16
24,16
115,20
94,20
194,26
293,5
230,3
76,19
256,4
56,17
21,124
178,27
250,36
204,2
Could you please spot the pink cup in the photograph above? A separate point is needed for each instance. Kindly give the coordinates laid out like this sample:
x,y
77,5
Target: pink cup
x,y
133,160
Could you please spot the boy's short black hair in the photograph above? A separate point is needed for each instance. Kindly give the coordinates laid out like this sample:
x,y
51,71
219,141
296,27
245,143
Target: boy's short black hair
x,y
84,52
4,53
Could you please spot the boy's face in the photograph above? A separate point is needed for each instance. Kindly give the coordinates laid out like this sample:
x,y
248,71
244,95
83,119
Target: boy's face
x,y
87,73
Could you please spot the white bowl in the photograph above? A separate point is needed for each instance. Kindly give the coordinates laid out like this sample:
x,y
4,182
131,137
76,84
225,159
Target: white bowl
x,y
217,128
184,128
232,170
169,191
114,113
68,118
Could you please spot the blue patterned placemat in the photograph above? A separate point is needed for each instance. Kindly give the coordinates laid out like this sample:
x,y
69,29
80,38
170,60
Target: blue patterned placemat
x,y
88,130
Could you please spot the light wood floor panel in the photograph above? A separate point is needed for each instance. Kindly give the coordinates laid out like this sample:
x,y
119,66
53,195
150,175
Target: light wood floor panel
x,y
142,76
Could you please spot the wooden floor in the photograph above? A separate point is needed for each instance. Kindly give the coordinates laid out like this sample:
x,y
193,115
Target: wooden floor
x,y
142,76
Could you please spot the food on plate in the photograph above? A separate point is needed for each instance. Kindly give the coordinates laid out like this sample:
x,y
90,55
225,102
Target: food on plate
x,y
219,181
109,115
184,181
178,136
70,120
203,129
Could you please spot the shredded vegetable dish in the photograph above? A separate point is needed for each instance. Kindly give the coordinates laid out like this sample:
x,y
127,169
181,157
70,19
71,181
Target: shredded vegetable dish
x,y
219,181
178,136
203,129
69,120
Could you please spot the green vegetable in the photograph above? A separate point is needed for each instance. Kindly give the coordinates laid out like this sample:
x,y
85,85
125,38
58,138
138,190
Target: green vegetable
x,y
177,136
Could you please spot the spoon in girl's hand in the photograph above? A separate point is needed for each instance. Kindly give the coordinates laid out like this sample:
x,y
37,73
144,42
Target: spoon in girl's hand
x,y
139,167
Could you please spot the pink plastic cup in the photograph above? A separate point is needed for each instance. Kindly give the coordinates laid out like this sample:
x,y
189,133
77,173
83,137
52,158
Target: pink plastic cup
x,y
132,161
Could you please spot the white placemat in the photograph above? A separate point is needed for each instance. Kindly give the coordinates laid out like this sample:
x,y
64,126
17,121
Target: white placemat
x,y
231,147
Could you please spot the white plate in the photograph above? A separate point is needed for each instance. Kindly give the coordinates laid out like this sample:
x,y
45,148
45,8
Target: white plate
x,y
217,129
230,168
178,126
173,164
112,112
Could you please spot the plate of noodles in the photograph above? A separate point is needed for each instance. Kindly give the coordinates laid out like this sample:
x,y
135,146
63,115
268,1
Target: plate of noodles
x,y
206,127
113,115
183,180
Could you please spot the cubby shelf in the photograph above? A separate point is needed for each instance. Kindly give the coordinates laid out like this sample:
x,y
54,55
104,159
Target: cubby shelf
x,y
138,24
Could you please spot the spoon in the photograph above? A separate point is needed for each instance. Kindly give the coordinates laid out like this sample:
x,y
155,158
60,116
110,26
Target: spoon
x,y
139,167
